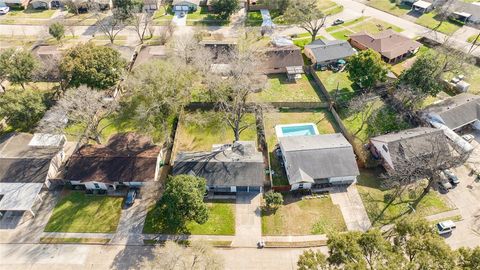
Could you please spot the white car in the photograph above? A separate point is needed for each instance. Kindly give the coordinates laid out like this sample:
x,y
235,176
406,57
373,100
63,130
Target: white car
x,y
468,137
4,9
445,227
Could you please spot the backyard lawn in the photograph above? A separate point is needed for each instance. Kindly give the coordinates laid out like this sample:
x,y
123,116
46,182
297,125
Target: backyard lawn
x,y
303,217
221,220
333,80
375,198
198,131
389,6
80,213
322,118
279,89
428,20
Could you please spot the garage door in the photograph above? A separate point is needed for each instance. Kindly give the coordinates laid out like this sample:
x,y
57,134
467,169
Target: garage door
x,y
181,8
254,189
242,189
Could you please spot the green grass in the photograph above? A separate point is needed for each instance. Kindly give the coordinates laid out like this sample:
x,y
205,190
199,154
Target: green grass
x,y
342,34
375,199
389,6
31,13
221,220
54,240
302,40
346,24
429,20
374,26
321,117
254,18
81,213
332,11
470,39
332,79
198,131
279,89
303,217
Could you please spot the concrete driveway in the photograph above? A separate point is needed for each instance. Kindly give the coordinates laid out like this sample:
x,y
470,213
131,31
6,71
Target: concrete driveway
x,y
466,196
351,205
248,221
178,20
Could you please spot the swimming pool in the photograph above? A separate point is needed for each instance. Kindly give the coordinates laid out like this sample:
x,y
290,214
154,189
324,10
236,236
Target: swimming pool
x,y
303,129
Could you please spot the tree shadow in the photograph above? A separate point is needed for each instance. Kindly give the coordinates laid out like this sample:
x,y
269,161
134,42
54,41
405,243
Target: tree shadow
x,y
132,257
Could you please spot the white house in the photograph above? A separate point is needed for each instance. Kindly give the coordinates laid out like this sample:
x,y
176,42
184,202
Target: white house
x,y
185,5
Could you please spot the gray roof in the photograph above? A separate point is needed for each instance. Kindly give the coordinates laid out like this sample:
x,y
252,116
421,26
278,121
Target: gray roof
x,y
317,157
456,111
414,142
470,8
21,163
183,2
240,165
327,50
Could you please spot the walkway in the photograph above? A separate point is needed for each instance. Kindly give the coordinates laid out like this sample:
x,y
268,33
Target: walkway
x,y
248,221
351,205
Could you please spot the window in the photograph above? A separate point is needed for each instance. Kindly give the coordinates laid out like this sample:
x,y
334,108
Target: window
x,y
300,185
97,186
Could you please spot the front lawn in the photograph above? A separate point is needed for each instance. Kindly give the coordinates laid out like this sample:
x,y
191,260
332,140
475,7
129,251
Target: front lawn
x,y
346,24
81,213
279,89
333,80
221,220
472,38
322,118
374,26
342,34
254,18
198,131
303,217
375,199
304,39
389,6
31,13
428,20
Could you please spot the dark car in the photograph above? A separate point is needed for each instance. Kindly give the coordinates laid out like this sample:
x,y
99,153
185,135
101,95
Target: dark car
x,y
337,22
130,199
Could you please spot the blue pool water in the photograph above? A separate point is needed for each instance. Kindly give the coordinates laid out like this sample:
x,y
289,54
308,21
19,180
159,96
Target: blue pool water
x,y
301,130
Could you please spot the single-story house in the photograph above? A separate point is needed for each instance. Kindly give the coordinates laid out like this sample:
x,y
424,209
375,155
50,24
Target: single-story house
x,y
466,12
128,159
456,112
27,164
324,52
149,53
285,59
44,4
395,149
219,48
422,6
392,46
16,3
185,5
228,168
318,161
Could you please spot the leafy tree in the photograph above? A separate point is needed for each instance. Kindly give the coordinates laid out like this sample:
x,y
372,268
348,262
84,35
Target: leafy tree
x,y
56,30
23,108
182,201
469,259
17,66
312,260
225,8
306,14
273,199
126,8
366,69
94,66
157,91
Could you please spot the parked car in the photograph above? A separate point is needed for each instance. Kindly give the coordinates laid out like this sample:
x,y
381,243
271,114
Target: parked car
x,y
182,14
443,184
130,198
445,227
337,22
4,9
468,137
451,177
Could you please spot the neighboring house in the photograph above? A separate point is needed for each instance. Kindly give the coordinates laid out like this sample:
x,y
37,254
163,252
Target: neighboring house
x,y
16,3
255,5
396,148
324,52
466,12
286,59
318,161
27,163
42,4
149,53
392,46
456,112
227,168
422,6
185,5
219,48
127,159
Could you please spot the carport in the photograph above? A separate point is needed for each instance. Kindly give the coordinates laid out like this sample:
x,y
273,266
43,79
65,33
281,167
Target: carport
x,y
19,197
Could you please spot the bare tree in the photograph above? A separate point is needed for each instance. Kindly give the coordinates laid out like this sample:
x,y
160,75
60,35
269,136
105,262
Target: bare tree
x,y
111,25
363,107
199,255
84,107
74,5
142,24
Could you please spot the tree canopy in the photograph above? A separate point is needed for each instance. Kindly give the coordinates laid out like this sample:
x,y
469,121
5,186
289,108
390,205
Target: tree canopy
x,y
17,66
306,14
273,199
182,201
97,67
367,69
225,8
56,30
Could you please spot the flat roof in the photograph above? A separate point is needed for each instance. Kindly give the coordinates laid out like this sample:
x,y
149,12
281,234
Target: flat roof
x,y
422,4
18,196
